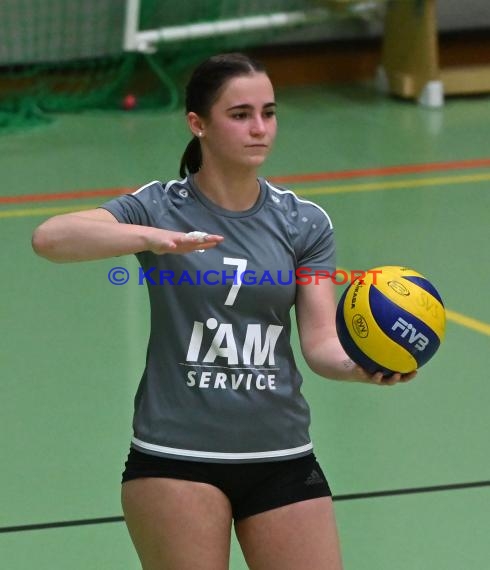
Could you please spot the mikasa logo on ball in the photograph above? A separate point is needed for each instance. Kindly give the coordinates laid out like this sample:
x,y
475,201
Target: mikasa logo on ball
x,y
354,298
399,288
420,340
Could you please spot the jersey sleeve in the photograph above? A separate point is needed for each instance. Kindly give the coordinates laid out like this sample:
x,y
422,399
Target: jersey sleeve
x,y
317,249
135,208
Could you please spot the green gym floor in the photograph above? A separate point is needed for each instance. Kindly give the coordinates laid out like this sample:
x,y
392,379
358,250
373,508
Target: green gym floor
x,y
409,465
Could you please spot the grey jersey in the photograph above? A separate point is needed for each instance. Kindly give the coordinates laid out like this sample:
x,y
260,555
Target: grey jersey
x,y
220,382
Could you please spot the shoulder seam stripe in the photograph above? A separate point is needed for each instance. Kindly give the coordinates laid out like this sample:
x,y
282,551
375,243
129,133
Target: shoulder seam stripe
x,y
146,186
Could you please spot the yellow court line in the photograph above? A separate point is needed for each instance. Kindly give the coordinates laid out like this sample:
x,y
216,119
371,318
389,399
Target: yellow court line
x,y
394,184
468,322
51,211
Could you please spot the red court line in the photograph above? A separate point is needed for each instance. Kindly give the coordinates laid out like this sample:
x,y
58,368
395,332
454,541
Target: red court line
x,y
383,171
291,178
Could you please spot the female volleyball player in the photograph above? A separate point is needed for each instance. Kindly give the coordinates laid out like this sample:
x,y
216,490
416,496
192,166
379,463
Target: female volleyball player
x,y
220,425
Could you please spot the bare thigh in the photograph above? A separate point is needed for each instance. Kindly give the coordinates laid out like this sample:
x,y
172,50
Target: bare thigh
x,y
178,525
301,536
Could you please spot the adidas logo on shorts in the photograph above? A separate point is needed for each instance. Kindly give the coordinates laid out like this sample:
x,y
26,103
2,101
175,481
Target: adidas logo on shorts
x,y
314,478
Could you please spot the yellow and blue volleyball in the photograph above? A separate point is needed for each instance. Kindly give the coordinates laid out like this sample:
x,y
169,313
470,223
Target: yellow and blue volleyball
x,y
391,320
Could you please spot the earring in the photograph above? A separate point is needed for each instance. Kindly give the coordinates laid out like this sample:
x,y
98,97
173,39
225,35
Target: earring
x,y
199,134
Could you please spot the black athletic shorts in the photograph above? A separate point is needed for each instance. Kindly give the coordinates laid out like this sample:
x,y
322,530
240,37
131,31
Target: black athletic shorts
x,y
251,488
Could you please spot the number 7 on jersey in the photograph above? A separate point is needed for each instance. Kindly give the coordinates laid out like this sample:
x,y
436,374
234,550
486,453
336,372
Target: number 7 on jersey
x,y
241,265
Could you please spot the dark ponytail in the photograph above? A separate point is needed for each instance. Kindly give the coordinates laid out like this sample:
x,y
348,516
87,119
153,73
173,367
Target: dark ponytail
x,y
204,88
191,159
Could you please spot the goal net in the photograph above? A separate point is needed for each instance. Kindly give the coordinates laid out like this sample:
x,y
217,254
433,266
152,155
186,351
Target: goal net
x,y
69,55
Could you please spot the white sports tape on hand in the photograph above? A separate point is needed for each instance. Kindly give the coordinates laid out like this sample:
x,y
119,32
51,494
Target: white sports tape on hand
x,y
197,235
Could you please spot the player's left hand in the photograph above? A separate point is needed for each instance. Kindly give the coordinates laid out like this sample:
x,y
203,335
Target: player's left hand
x,y
381,380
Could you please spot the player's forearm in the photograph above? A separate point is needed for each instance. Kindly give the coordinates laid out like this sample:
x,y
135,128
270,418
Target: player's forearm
x,y
328,359
71,237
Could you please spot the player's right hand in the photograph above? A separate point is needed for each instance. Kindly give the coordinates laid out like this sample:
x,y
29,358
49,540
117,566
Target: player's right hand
x,y
167,241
